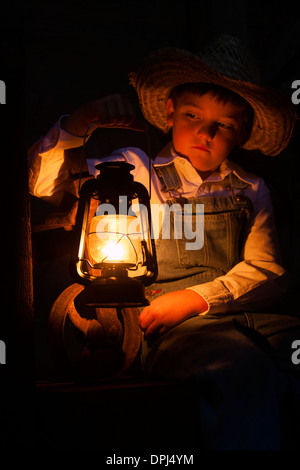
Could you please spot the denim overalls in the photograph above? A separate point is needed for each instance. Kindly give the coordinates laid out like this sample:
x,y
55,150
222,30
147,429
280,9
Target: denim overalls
x,y
228,357
225,220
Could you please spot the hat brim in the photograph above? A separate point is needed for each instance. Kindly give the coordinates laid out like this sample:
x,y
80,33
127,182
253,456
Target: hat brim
x,y
274,117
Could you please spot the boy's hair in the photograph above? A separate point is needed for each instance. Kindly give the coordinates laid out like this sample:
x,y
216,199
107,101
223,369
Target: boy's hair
x,y
222,95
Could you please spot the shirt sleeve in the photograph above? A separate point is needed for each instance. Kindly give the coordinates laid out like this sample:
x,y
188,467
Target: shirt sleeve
x,y
48,171
258,280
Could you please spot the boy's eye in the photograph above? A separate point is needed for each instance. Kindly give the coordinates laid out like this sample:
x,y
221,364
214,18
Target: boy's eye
x,y
191,115
225,126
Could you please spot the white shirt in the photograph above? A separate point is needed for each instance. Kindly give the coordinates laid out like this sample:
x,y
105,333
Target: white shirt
x,y
255,282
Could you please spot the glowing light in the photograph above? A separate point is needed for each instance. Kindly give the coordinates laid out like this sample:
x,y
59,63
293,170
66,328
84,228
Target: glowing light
x,y
113,252
110,242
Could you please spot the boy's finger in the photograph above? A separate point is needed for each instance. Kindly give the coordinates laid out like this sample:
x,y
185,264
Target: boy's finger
x,y
145,318
152,329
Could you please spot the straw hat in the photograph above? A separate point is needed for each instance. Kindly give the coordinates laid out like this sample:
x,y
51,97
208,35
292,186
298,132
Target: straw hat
x,y
224,62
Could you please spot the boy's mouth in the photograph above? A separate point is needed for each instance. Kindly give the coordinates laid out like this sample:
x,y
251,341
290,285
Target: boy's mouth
x,y
201,147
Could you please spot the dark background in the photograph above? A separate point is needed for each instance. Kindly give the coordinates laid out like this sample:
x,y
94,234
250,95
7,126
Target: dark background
x,y
75,51
57,55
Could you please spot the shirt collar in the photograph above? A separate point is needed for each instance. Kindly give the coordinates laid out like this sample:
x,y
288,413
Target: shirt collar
x,y
184,167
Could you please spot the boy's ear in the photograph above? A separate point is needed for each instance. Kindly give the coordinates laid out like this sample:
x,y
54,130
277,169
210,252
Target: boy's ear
x,y
170,112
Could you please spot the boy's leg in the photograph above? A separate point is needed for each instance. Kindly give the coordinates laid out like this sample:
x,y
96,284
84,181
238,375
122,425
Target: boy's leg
x,y
237,383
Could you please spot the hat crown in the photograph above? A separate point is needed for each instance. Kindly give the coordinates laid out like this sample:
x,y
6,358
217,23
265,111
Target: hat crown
x,y
228,56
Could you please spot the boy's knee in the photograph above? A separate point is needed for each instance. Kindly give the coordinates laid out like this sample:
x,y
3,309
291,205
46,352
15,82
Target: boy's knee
x,y
199,346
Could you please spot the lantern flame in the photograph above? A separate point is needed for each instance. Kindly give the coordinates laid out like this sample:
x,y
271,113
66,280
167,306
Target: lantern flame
x,y
113,252
109,241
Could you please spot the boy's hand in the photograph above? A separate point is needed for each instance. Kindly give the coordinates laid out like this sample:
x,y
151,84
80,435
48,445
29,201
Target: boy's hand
x,y
169,310
110,111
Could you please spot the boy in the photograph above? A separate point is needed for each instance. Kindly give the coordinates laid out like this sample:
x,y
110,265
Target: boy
x,y
195,327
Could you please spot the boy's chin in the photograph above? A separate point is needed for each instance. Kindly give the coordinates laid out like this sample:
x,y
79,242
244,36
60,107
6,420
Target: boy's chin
x,y
204,174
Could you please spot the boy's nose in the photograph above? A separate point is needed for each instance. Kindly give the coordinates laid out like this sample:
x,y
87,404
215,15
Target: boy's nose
x,y
207,130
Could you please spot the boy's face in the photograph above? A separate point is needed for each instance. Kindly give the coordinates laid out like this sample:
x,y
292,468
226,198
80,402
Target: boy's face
x,y
204,130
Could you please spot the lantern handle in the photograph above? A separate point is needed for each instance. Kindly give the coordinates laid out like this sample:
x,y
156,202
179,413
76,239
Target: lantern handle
x,y
137,130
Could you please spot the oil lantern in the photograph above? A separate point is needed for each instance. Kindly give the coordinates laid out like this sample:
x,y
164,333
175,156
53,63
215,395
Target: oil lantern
x,y
114,251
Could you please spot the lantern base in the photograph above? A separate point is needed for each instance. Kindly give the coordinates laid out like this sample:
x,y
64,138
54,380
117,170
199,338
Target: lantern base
x,y
114,292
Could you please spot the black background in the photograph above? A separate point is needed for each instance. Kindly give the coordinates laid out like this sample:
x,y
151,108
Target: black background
x,y
56,56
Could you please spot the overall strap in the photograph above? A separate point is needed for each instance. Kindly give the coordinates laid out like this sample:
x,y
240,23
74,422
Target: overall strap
x,y
168,176
171,181
236,183
238,187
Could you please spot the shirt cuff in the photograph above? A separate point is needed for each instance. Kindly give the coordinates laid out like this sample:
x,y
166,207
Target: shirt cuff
x,y
204,297
219,299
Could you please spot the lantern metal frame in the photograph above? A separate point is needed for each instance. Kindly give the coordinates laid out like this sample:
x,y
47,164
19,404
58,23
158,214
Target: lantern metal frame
x,y
113,287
